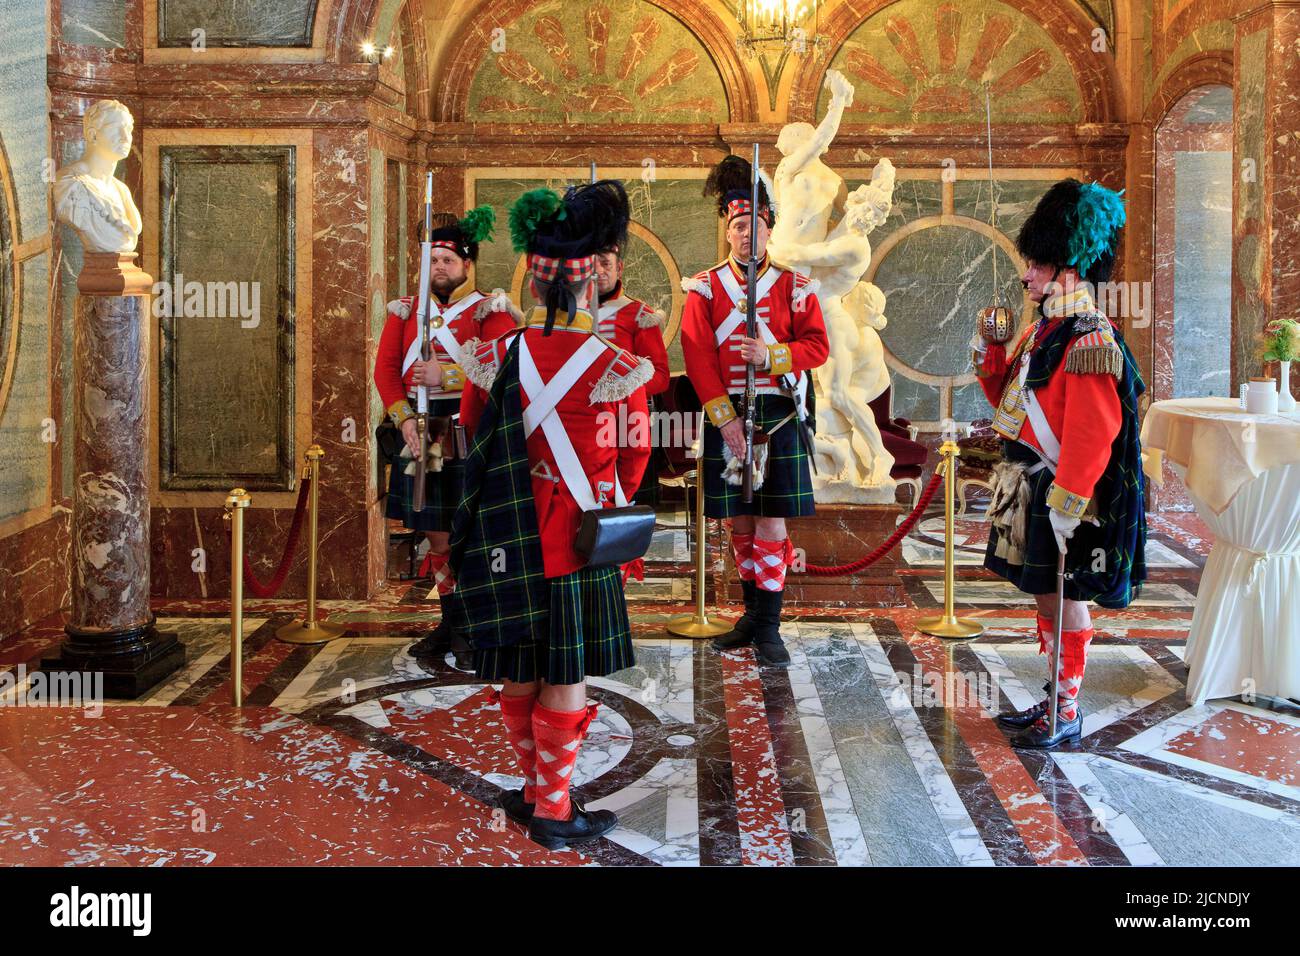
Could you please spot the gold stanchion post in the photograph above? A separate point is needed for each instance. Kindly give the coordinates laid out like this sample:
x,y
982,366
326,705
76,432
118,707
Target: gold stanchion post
x,y
236,502
698,624
311,631
948,624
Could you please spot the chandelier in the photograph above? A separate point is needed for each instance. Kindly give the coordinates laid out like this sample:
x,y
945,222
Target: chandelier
x,y
771,30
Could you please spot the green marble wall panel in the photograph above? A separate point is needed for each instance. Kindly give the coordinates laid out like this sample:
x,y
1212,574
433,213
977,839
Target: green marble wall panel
x,y
919,62
626,62
244,23
24,118
672,210
24,454
227,392
100,23
1202,274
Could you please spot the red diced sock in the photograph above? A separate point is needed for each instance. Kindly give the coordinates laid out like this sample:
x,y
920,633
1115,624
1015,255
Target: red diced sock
x,y
558,735
770,561
517,715
742,549
435,565
1045,629
1074,658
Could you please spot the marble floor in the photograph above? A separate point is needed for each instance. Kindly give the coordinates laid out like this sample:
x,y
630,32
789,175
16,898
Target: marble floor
x,y
876,747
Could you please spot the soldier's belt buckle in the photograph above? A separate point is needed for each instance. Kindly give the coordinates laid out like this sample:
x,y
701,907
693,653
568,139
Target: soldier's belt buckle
x,y
742,305
435,322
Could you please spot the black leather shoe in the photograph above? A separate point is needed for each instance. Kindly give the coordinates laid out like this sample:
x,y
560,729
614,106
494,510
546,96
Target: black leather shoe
x,y
1020,719
742,632
462,653
1037,737
429,646
516,808
582,827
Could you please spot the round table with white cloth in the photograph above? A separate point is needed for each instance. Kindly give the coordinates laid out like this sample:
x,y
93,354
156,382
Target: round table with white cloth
x,y
1242,472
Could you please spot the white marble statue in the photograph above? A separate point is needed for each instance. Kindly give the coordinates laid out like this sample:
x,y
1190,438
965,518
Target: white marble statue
x,y
87,196
853,464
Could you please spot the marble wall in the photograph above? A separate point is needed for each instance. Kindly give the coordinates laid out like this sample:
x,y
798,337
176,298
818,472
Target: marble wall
x,y
33,532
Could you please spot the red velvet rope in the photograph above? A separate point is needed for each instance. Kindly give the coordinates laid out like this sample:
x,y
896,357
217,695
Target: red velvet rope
x,y
271,588
899,534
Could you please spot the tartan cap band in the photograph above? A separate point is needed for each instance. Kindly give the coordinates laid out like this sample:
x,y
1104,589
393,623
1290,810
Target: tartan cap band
x,y
547,269
740,207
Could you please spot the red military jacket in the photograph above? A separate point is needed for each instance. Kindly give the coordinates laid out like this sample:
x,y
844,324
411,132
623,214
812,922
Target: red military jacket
x,y
711,336
631,324
589,410
1080,402
469,314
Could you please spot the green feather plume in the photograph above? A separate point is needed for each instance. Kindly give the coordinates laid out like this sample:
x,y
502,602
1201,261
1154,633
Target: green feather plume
x,y
1098,216
478,222
529,211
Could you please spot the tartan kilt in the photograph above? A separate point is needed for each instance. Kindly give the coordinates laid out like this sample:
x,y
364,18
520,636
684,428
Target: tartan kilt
x,y
787,491
441,488
1038,574
590,635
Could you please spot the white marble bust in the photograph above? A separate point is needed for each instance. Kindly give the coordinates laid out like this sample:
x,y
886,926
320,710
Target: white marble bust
x,y
87,196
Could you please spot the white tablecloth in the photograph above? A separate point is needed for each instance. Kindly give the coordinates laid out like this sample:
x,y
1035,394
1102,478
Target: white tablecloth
x,y
1245,633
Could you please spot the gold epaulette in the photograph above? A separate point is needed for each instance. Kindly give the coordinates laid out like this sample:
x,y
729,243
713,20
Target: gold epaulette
x,y
1096,353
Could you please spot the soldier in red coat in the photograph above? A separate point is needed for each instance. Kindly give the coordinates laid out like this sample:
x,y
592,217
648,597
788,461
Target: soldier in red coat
x,y
1070,482
459,312
633,325
791,342
545,403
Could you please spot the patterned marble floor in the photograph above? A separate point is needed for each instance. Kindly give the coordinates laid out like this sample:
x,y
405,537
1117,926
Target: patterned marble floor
x,y
877,746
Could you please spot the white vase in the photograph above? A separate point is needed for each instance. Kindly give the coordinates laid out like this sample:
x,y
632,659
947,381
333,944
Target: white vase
x,y
1285,401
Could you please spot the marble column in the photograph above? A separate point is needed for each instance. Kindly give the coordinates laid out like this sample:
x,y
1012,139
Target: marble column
x,y
1266,154
111,628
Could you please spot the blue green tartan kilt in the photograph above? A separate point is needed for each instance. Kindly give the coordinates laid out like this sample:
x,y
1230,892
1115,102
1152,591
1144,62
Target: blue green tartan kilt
x,y
787,491
1038,574
590,635
441,488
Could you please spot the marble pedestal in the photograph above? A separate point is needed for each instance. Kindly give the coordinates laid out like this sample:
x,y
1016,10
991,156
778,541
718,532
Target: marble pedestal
x,y
111,628
838,534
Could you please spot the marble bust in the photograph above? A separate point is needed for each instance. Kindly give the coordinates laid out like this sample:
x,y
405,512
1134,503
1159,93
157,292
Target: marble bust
x,y
88,197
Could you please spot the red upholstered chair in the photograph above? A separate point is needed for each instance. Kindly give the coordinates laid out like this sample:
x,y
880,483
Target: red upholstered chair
x,y
897,435
980,450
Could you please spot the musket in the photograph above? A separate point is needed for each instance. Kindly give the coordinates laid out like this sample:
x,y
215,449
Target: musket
x,y
751,331
422,390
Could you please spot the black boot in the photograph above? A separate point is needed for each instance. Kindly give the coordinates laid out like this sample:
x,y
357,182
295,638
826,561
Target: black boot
x,y
516,808
743,631
768,646
1020,719
583,826
1037,737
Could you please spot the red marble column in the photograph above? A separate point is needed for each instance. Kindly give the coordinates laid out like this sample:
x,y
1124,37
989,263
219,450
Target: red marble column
x,y
111,628
1266,206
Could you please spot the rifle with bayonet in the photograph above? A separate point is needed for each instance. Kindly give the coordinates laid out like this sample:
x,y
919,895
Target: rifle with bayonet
x,y
426,354
751,331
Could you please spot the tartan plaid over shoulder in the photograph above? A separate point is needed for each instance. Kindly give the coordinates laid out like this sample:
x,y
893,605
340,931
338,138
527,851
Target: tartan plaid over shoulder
x,y
496,551
1116,581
